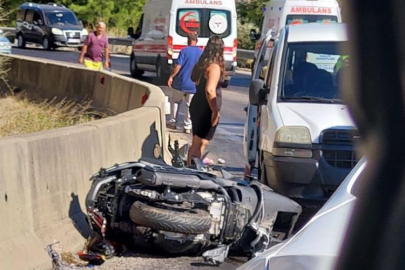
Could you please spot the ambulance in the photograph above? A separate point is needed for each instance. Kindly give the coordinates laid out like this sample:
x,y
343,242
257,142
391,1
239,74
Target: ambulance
x,y
279,13
163,28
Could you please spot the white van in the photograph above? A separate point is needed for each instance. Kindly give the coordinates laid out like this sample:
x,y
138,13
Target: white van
x,y
304,139
279,13
163,30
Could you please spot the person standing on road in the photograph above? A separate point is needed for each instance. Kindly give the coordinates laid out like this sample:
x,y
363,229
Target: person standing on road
x,y
92,52
183,88
206,104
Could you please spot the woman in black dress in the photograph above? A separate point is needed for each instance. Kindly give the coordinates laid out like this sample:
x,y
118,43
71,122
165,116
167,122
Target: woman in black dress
x,y
206,104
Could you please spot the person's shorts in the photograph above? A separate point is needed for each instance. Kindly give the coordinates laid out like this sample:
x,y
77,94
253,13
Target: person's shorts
x,y
93,65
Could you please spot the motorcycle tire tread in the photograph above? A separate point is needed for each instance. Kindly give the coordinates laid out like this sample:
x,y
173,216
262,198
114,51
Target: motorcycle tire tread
x,y
196,222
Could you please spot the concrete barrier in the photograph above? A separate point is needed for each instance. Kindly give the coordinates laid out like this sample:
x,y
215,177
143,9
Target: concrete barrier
x,y
44,175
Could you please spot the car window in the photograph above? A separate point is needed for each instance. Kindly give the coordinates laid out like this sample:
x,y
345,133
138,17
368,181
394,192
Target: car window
x,y
62,18
20,15
271,66
312,71
37,17
263,61
30,16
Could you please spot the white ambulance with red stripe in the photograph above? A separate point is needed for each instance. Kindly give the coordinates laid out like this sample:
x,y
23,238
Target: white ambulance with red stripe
x,y
163,29
279,13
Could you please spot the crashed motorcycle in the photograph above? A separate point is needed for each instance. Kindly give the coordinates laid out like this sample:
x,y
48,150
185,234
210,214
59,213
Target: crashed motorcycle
x,y
186,211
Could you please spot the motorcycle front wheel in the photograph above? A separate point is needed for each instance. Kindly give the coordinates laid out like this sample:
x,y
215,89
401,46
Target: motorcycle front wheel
x,y
194,221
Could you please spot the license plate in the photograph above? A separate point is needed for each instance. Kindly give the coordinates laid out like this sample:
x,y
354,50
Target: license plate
x,y
73,40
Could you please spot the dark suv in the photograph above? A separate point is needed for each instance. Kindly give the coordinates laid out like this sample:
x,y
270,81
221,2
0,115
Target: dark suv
x,y
51,25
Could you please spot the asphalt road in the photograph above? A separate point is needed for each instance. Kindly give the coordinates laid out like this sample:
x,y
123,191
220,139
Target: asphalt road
x,y
227,143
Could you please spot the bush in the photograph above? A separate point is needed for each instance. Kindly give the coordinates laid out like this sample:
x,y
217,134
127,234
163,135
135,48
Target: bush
x,y
244,41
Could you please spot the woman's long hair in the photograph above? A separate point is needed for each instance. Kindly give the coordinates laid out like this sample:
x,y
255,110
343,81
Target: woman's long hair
x,y
213,53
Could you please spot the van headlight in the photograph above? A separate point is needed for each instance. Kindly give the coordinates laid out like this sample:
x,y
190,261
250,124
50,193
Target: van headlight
x,y
57,31
293,135
85,32
293,142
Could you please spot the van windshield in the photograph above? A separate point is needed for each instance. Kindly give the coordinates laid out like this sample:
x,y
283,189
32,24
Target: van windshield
x,y
312,72
302,19
206,22
62,18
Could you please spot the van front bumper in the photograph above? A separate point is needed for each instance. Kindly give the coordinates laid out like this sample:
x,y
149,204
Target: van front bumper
x,y
306,178
62,41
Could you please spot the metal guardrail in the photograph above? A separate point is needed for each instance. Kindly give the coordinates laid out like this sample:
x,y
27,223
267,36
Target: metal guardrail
x,y
242,54
120,41
246,54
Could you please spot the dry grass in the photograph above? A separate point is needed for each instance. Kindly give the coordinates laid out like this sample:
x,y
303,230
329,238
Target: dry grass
x,y
116,32
20,115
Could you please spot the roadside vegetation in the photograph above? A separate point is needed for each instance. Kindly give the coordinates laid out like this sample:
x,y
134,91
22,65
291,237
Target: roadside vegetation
x,y
20,114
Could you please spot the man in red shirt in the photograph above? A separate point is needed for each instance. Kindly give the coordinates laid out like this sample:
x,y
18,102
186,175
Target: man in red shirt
x,y
92,52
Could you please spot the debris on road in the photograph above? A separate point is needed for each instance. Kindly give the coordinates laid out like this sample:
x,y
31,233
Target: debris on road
x,y
221,161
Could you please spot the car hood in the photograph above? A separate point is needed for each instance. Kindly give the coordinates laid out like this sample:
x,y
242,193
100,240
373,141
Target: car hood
x,y
315,247
316,117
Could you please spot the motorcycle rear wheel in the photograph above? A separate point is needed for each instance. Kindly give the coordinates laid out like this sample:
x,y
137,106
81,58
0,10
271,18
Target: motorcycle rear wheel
x,y
191,221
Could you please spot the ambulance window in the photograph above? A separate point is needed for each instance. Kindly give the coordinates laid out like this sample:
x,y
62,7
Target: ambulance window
x,y
220,24
206,22
188,21
302,19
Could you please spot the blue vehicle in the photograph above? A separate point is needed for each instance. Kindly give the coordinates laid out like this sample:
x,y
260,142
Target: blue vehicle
x,y
5,45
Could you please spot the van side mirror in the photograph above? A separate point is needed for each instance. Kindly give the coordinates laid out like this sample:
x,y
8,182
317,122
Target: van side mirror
x,y
131,32
257,92
81,23
254,36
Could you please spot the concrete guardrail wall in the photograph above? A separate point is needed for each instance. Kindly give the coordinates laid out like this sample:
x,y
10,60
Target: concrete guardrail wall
x,y
44,175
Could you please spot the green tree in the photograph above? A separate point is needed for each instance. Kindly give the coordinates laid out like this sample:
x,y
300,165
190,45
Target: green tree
x,y
251,12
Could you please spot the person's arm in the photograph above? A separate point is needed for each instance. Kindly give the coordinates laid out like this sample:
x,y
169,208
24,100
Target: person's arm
x,y
174,73
213,77
107,55
176,69
84,49
83,52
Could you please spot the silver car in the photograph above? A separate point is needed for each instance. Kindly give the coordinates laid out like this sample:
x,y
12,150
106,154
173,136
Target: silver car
x,y
317,245
5,45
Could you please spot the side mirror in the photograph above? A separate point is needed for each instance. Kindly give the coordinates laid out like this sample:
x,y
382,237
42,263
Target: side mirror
x,y
81,23
254,36
131,31
257,92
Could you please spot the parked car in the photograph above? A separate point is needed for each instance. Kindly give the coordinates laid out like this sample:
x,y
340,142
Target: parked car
x,y
50,25
305,136
318,244
162,33
5,45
